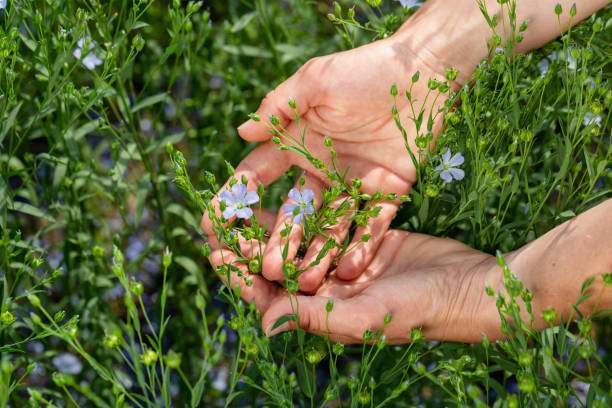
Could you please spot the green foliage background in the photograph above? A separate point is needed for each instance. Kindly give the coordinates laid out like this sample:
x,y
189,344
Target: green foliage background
x,y
84,168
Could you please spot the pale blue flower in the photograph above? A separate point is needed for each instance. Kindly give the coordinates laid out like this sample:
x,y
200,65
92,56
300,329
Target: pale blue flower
x,y
237,200
67,363
410,3
303,203
90,60
590,118
2,4
448,166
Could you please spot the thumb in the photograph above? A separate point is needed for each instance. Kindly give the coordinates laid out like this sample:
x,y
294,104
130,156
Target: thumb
x,y
276,103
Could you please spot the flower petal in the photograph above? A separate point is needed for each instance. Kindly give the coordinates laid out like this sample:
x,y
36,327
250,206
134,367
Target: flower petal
x,y
91,61
251,197
295,195
298,218
307,195
456,160
446,155
457,174
309,209
244,213
446,176
239,190
77,53
288,208
227,197
229,212
439,166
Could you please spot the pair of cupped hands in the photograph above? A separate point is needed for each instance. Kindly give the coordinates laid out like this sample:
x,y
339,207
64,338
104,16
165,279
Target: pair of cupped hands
x,y
424,282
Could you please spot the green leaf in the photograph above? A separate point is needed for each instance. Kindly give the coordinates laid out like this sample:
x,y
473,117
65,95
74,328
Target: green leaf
x,y
30,210
191,267
246,50
160,144
141,196
284,319
306,380
243,21
151,100
9,122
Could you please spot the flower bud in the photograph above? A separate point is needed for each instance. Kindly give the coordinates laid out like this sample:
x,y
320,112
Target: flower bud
x,y
558,9
394,89
34,300
329,306
292,103
136,288
7,318
275,121
149,357
415,77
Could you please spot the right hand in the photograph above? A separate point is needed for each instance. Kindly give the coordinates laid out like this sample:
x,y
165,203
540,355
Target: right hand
x,y
344,96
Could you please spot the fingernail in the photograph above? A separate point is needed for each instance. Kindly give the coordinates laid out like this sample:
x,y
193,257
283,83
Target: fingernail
x,y
273,332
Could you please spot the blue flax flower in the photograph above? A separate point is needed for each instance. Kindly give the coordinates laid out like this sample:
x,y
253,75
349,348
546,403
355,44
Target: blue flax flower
x,y
448,166
91,61
237,200
410,3
303,203
2,4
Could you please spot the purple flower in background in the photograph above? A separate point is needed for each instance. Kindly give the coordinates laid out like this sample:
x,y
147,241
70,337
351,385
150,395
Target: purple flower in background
x,y
590,118
237,200
410,3
91,60
448,166
67,363
303,203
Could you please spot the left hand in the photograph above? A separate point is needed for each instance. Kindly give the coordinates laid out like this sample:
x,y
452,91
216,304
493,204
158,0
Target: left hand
x,y
433,284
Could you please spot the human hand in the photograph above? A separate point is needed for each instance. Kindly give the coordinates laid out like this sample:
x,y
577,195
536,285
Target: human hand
x,y
344,96
437,285
434,284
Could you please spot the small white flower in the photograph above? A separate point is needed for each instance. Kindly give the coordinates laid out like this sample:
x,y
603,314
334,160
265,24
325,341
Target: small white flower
x,y
448,164
67,363
91,61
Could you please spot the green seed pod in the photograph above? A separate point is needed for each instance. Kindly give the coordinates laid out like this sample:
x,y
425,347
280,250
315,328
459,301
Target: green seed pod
x,y
173,360
525,359
415,77
329,306
255,266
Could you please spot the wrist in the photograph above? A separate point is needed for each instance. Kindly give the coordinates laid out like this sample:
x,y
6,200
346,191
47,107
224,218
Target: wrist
x,y
444,37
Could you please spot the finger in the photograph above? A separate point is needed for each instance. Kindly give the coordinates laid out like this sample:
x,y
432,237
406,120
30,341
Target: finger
x,y
311,279
356,260
260,290
273,256
263,165
276,103
347,321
